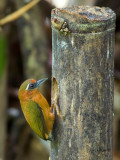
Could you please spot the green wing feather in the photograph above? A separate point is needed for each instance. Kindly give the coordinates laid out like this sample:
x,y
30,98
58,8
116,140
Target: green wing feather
x,y
36,120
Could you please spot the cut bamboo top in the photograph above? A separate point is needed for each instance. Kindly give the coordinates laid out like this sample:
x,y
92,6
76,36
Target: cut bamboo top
x,y
83,19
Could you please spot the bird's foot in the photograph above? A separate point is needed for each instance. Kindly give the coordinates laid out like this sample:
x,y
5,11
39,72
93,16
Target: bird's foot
x,y
56,107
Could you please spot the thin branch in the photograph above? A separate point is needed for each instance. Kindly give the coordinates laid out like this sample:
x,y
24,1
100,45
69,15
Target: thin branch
x,y
18,13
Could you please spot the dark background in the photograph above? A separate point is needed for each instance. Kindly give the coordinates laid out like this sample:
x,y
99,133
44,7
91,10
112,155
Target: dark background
x,y
25,52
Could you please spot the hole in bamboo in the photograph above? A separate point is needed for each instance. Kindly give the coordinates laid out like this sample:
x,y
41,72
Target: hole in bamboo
x,y
55,95
55,90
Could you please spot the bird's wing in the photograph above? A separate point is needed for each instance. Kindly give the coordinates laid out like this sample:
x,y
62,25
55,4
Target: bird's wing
x,y
37,120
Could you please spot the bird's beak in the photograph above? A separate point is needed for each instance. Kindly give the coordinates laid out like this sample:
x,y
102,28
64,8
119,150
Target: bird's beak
x,y
39,82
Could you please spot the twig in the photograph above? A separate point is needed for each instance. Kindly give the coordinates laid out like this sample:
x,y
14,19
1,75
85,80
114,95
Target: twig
x,y
18,13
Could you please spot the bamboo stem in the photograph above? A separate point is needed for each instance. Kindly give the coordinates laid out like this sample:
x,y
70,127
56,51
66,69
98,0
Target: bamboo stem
x,y
82,66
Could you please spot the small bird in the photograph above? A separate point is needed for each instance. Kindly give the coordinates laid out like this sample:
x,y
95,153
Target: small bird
x,y
36,108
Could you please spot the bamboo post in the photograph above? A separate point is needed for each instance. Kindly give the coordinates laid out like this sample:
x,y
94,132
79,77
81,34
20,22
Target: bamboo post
x,y
82,82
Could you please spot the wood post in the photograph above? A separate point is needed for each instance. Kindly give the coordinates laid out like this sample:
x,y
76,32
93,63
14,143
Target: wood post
x,y
82,73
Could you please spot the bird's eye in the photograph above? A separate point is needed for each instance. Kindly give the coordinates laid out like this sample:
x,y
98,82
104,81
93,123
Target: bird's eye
x,y
31,85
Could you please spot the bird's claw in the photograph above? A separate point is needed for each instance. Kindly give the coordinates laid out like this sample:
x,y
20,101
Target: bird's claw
x,y
55,106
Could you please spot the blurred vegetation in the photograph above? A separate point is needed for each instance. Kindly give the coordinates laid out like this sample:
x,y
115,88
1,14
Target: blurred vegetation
x,y
3,56
26,52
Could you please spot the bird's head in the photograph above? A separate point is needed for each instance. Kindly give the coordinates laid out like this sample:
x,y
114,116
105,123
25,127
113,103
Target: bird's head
x,y
29,87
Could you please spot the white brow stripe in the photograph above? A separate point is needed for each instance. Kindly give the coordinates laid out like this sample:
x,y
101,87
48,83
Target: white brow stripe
x,y
27,87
